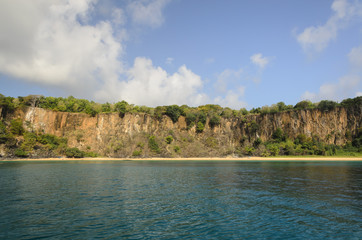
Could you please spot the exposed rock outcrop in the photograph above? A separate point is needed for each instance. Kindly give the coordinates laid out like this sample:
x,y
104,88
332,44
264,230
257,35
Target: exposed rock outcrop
x,y
112,135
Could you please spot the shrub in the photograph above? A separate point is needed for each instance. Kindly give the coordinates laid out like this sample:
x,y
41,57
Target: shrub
x,y
274,149
305,104
326,105
90,154
190,119
278,135
173,112
29,141
202,118
169,139
249,150
137,153
20,153
3,133
74,153
257,142
16,127
214,121
176,149
200,127
121,108
153,145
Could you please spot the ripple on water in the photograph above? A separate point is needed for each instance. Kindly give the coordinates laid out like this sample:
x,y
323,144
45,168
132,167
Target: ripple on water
x,y
184,200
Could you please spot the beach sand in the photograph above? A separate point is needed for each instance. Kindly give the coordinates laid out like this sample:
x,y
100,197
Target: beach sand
x,y
313,158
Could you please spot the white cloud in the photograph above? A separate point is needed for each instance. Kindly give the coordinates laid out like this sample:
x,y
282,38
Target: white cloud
x,y
119,16
152,86
148,12
55,48
317,38
227,77
51,43
232,99
169,60
358,94
259,60
344,88
355,57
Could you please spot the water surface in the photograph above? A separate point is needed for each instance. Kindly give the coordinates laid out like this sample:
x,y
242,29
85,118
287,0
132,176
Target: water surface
x,y
181,200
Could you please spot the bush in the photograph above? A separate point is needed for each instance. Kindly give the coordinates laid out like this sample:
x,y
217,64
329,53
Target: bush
x,y
326,105
274,149
214,121
74,153
169,139
190,119
3,133
176,149
174,112
16,127
200,127
278,135
121,108
153,145
20,153
249,150
137,153
305,104
90,154
257,142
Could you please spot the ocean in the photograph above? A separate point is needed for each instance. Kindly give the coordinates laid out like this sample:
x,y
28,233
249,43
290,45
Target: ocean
x,y
181,200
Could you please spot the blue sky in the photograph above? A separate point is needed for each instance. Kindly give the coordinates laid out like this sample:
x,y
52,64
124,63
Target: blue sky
x,y
159,52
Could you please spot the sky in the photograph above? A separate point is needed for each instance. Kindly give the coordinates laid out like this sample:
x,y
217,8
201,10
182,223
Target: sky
x,y
238,54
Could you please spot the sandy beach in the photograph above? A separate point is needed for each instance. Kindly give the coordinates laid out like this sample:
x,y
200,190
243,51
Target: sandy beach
x,y
314,158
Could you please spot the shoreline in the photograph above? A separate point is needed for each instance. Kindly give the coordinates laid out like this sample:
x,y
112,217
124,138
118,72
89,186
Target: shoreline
x,y
191,159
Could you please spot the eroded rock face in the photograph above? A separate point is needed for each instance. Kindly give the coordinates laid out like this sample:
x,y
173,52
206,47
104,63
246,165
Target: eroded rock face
x,y
111,135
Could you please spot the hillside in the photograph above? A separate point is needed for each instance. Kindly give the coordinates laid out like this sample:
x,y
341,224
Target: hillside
x,y
31,131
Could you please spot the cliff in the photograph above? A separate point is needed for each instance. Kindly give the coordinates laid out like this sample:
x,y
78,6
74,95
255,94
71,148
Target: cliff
x,y
109,134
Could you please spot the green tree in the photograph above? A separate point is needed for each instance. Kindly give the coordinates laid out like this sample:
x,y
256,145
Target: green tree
x,y
3,133
200,127
278,135
305,104
74,153
16,127
121,108
214,121
274,149
153,145
190,119
326,105
106,107
20,153
174,112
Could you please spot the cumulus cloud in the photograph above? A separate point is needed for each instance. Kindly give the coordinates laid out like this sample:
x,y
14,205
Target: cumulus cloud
x,y
344,88
48,44
232,99
147,12
317,38
259,60
358,94
53,43
152,86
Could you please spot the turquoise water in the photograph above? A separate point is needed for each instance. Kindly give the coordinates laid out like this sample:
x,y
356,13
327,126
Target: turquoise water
x,y
181,200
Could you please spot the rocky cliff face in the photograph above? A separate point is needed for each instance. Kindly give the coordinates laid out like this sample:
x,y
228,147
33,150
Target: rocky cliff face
x,y
112,135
